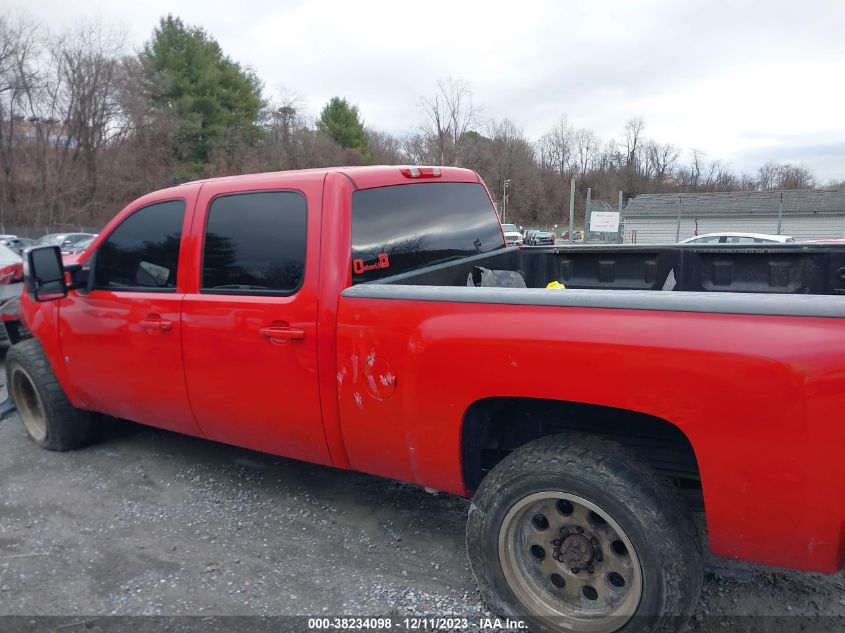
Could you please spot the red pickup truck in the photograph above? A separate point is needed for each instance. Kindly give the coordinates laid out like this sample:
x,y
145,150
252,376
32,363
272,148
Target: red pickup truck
x,y
374,319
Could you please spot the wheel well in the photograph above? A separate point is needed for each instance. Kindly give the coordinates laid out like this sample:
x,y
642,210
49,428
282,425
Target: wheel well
x,y
494,427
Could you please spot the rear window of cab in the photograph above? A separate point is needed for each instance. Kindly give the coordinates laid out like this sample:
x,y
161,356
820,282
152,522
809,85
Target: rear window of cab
x,y
404,227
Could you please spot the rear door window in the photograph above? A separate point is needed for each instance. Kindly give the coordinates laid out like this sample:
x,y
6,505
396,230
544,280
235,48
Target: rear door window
x,y
255,244
403,227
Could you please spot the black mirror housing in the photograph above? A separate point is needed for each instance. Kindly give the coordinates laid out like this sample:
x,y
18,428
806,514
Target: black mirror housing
x,y
44,273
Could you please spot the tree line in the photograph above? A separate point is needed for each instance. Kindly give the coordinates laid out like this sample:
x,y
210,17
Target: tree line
x,y
86,127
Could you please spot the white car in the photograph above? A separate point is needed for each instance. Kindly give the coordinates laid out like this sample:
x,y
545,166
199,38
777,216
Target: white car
x,y
11,273
738,238
512,235
11,282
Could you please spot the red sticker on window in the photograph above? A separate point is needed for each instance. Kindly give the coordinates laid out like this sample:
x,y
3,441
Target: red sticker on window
x,y
359,267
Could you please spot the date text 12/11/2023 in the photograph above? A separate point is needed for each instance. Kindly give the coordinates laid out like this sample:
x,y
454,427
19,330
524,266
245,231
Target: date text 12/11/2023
x,y
415,623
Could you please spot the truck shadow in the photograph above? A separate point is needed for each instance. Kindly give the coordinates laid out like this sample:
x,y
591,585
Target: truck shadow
x,y
375,505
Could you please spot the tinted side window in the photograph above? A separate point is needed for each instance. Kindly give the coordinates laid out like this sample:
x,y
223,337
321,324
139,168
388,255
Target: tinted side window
x,y
143,252
255,243
399,228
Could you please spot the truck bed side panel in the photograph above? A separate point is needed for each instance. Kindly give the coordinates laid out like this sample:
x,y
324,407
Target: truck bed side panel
x,y
759,397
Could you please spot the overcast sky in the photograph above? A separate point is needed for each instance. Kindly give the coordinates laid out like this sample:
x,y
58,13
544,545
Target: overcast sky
x,y
744,82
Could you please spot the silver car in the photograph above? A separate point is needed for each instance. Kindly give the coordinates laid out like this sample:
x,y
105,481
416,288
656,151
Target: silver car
x,y
738,238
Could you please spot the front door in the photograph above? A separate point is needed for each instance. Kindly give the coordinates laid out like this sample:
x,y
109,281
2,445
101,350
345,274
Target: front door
x,y
121,341
250,329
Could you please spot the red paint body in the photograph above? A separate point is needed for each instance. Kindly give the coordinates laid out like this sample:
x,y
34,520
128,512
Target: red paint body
x,y
382,385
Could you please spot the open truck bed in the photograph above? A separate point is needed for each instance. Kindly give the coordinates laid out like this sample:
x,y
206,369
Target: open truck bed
x,y
815,269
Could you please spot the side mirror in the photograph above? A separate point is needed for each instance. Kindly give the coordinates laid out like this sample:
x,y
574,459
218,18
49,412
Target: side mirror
x,y
44,273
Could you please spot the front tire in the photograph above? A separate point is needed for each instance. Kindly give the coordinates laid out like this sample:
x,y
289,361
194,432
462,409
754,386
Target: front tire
x,y
577,533
49,418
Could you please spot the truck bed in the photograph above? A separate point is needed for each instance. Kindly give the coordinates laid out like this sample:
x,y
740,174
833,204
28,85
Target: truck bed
x,y
814,269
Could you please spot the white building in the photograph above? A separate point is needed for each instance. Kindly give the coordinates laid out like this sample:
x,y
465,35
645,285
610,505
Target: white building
x,y
805,214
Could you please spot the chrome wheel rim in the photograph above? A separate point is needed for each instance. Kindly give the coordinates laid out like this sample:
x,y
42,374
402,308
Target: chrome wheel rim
x,y
570,563
28,402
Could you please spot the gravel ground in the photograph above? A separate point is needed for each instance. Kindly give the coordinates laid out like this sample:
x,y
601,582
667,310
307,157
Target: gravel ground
x,y
153,523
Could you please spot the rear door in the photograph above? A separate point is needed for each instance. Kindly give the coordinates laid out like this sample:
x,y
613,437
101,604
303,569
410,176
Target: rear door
x,y
250,324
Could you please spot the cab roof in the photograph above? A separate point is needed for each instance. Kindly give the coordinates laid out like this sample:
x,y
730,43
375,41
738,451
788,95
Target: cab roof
x,y
362,177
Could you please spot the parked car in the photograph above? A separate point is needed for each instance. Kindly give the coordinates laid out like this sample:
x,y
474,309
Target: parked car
x,y
542,238
737,238
79,246
72,239
11,279
18,244
339,299
512,235
61,239
50,239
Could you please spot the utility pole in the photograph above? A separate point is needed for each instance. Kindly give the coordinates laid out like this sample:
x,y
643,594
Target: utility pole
x,y
621,224
571,209
588,211
505,184
678,228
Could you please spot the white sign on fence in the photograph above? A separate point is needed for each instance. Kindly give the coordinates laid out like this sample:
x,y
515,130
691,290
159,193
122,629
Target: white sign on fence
x,y
604,221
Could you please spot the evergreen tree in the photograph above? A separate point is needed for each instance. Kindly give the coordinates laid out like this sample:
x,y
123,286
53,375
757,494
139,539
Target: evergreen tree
x,y
340,120
214,101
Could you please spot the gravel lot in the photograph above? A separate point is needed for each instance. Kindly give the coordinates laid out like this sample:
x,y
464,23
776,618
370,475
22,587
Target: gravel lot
x,y
153,523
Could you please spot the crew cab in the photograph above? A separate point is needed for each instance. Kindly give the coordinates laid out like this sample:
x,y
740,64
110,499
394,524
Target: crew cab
x,y
374,319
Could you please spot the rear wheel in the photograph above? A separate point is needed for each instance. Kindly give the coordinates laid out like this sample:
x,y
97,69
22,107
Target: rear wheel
x,y
47,415
576,533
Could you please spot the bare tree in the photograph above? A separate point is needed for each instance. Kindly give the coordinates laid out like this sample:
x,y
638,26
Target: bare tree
x,y
557,148
767,176
19,50
385,149
283,123
660,160
633,132
784,176
449,115
586,146
88,60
